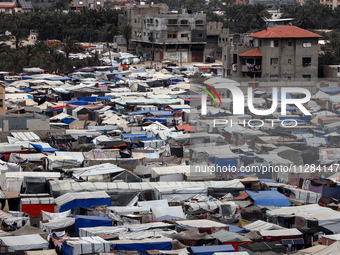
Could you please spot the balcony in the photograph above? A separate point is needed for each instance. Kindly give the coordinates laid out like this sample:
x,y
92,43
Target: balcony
x,y
251,68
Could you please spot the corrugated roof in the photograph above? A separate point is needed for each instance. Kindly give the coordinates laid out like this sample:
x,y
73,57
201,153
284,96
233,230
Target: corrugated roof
x,y
285,32
252,53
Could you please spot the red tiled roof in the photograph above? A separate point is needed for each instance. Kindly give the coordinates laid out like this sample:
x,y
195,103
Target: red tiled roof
x,y
285,32
252,53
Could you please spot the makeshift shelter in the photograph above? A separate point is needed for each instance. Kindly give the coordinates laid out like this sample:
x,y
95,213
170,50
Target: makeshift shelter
x,y
60,162
61,224
86,245
281,234
288,153
269,198
43,147
29,230
330,239
226,237
91,221
207,226
82,199
24,242
211,249
192,237
333,249
263,248
260,225
95,173
33,204
142,246
326,217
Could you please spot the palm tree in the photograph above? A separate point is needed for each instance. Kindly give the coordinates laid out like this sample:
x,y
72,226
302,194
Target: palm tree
x,y
14,62
70,45
55,59
28,53
126,32
108,32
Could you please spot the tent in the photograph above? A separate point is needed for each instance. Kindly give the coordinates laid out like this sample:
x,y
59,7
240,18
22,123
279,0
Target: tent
x,y
91,221
210,250
43,147
333,249
62,224
29,230
226,237
82,199
24,242
102,169
269,198
142,246
86,245
60,162
207,226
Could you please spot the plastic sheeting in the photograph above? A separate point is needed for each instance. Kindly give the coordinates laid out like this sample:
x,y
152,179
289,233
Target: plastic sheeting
x,y
91,221
24,242
57,224
211,249
269,198
54,216
86,245
60,162
142,246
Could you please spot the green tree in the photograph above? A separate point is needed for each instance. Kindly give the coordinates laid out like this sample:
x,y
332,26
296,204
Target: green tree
x,y
126,32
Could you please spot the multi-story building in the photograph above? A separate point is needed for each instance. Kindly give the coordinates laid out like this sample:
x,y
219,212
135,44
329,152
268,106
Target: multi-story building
x,y
163,35
12,7
285,53
80,4
331,3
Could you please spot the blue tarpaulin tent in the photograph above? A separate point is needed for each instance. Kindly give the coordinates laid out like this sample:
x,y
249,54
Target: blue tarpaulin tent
x,y
78,102
43,147
83,221
211,249
161,113
87,99
269,198
142,247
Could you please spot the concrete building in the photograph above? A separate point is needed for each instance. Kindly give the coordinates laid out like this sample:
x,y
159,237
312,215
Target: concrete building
x,y
331,3
163,35
28,122
285,53
80,4
11,7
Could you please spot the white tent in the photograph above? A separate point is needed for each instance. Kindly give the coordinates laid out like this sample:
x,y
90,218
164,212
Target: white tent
x,y
25,242
60,162
84,245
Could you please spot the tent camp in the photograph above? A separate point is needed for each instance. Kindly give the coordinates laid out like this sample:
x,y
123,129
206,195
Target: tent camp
x,y
82,199
83,221
24,242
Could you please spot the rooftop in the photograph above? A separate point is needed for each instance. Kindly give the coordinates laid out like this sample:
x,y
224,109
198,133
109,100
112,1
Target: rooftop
x,y
285,32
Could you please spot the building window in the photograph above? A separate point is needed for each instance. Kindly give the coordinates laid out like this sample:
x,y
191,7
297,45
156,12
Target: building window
x,y
200,35
184,22
290,43
172,21
289,78
135,32
256,43
307,45
289,61
306,77
260,42
144,34
156,36
225,57
184,35
274,43
135,20
274,78
199,22
1,103
274,61
156,22
306,61
172,34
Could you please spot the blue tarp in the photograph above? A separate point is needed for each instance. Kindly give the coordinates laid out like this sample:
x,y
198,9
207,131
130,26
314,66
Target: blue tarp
x,y
330,90
269,198
68,121
141,136
328,192
67,250
78,102
83,221
211,249
235,229
143,247
27,89
85,202
137,113
87,99
267,180
279,95
41,148
161,113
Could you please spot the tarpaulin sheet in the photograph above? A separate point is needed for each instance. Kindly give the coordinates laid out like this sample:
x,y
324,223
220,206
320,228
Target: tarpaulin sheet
x,y
210,250
317,189
88,203
78,102
43,147
328,192
269,198
143,247
91,221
